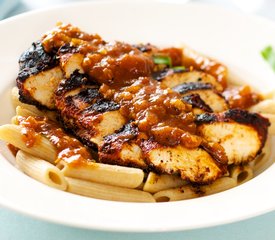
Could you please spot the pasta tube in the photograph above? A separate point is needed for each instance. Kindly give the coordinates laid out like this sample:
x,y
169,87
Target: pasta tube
x,y
241,173
41,170
263,160
219,185
269,94
265,106
15,97
42,148
175,194
155,183
28,110
16,102
271,118
104,173
14,120
188,192
107,192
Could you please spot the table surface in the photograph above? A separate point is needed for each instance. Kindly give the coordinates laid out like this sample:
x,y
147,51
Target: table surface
x,y
15,226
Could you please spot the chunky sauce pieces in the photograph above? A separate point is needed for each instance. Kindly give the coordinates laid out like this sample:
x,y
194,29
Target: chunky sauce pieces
x,y
124,73
68,148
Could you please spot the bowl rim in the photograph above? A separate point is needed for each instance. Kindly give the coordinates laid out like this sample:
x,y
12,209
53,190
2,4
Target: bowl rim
x,y
159,209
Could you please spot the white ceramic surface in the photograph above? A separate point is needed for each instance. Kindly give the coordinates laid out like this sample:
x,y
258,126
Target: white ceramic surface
x,y
234,39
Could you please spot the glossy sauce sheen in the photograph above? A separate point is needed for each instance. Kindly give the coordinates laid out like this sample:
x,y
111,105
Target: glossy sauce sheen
x,y
241,97
68,148
158,111
191,58
124,73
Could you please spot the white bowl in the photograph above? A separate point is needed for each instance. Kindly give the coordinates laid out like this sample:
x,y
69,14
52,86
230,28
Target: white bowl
x,y
234,39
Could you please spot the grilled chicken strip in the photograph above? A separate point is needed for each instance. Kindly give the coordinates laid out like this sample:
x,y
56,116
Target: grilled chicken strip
x,y
207,93
39,76
198,105
121,148
195,165
84,111
240,133
94,120
107,124
173,79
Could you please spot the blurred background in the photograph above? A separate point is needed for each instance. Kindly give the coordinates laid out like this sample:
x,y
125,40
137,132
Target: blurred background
x,y
265,8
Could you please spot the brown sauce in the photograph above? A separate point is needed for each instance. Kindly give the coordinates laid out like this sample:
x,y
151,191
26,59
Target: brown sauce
x,y
191,58
158,112
13,149
124,73
241,97
175,54
68,148
64,34
117,64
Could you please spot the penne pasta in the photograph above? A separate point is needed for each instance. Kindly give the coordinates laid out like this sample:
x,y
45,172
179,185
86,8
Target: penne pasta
x,y
265,106
107,192
219,185
262,161
155,182
269,94
188,192
176,194
14,120
28,110
42,148
25,110
271,118
241,174
15,97
41,170
16,102
104,173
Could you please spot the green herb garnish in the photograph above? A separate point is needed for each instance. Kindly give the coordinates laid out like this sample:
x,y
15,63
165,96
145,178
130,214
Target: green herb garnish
x,y
268,54
179,68
165,60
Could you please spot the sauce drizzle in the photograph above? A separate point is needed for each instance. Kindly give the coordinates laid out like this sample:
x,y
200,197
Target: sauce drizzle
x,y
68,148
125,75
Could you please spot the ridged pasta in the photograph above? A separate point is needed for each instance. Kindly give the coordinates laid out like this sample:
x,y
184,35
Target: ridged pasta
x,y
155,182
104,173
42,147
188,192
41,170
107,192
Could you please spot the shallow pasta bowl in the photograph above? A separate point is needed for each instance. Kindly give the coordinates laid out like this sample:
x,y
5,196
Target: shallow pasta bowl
x,y
234,39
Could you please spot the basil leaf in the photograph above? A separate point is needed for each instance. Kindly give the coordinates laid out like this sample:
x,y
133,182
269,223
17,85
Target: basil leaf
x,y
268,54
162,60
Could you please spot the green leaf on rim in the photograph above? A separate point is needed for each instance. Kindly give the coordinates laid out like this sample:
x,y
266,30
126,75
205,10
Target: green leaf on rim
x,y
268,54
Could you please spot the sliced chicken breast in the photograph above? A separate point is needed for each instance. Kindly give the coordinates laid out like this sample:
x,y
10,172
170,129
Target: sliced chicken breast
x,y
240,133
